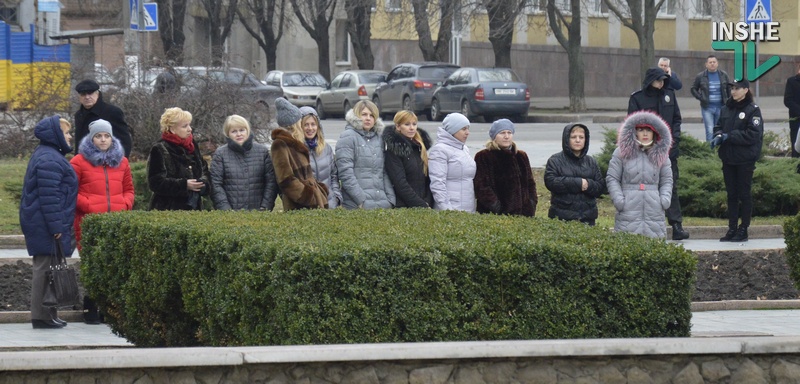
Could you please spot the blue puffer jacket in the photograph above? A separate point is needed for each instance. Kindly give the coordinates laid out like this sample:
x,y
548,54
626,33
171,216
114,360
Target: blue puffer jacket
x,y
49,192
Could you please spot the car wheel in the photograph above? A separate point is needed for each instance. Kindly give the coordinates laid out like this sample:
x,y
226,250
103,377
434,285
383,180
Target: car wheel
x,y
466,111
436,111
407,104
347,106
321,111
377,101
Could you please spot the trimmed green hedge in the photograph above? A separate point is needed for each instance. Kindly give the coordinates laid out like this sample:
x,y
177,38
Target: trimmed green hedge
x,y
337,276
791,234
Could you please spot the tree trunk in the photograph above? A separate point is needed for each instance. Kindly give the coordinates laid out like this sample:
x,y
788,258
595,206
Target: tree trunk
x,y
171,15
577,98
358,27
501,30
324,50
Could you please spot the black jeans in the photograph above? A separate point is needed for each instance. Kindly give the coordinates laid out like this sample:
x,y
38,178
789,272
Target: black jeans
x,y
794,126
674,215
738,185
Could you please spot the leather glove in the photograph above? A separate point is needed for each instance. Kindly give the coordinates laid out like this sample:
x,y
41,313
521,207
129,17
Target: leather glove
x,y
718,139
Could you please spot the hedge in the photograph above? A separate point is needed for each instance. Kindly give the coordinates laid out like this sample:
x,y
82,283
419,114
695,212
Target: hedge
x,y
336,276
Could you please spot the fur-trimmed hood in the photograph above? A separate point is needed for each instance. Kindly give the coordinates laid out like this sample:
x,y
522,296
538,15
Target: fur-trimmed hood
x,y
113,156
626,137
400,145
354,123
286,136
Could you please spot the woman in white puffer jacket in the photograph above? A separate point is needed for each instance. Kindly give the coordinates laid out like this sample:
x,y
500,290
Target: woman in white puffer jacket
x,y
451,167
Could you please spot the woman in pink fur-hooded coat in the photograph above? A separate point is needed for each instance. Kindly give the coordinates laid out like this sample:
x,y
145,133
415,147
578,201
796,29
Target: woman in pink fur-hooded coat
x,y
639,176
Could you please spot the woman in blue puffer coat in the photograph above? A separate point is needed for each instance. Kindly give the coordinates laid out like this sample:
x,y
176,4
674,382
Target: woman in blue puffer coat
x,y
47,209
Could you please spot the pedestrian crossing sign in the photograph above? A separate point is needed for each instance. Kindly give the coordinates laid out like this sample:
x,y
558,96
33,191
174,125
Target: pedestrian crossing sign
x,y
150,17
758,11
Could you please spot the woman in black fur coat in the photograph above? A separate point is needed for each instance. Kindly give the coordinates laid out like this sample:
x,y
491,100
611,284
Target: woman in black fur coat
x,y
406,161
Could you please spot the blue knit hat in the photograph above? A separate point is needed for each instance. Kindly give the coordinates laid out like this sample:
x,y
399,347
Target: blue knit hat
x,y
500,125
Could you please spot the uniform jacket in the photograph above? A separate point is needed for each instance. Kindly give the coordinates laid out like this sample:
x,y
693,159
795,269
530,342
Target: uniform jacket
x,y
451,169
660,101
49,191
564,176
504,182
324,167
640,181
700,87
104,181
359,161
743,124
299,188
108,112
791,96
169,166
242,177
403,162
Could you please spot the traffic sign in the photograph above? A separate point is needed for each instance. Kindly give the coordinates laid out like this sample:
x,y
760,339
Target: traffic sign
x,y
150,17
134,4
758,11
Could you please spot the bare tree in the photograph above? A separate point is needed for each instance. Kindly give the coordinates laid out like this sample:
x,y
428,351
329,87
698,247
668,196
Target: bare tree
x,y
359,21
422,8
270,19
572,44
171,16
220,18
640,17
502,17
316,16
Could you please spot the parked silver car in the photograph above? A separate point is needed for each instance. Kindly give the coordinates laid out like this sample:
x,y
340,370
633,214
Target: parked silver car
x,y
410,86
193,80
299,87
487,92
346,89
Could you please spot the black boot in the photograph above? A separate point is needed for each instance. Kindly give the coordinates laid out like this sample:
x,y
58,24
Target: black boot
x,y
678,233
728,235
45,324
741,235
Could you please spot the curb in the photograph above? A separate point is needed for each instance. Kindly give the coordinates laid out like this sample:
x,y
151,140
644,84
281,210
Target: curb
x,y
733,305
12,241
10,317
605,118
711,233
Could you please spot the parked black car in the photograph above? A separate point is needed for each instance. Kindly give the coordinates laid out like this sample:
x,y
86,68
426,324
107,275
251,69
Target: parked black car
x,y
487,92
410,86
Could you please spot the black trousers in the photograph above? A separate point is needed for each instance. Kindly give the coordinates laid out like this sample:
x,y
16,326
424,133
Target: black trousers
x,y
794,126
674,215
739,185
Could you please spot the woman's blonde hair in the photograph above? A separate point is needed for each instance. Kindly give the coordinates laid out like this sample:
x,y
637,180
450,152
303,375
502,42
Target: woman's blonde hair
x,y
362,104
320,136
234,121
296,130
62,121
491,145
402,117
173,116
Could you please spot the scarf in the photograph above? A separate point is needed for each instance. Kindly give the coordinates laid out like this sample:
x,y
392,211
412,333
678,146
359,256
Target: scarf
x,y
311,143
246,146
187,143
645,146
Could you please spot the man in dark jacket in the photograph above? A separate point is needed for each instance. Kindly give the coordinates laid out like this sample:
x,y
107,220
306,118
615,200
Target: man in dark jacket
x,y
791,99
657,96
710,87
92,108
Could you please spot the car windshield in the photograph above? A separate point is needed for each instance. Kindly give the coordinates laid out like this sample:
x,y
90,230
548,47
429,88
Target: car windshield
x,y
303,79
371,78
436,72
497,75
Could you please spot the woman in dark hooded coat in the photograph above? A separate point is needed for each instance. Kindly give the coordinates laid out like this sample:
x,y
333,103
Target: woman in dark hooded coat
x,y
47,210
573,178
406,161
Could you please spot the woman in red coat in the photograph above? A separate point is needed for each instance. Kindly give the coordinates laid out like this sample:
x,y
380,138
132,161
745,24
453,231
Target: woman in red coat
x,y
104,183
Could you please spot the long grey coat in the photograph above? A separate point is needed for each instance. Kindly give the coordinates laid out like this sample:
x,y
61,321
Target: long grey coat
x,y
243,177
359,162
451,169
324,168
640,181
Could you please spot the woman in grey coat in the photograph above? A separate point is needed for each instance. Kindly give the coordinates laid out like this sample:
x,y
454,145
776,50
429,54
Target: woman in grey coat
x,y
320,155
242,176
359,160
451,167
639,175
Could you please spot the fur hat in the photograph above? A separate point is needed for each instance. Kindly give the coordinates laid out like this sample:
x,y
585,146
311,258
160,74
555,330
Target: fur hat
x,y
288,114
454,122
500,125
87,86
98,126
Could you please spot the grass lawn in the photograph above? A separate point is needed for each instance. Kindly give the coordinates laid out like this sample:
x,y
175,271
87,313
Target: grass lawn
x,y
12,172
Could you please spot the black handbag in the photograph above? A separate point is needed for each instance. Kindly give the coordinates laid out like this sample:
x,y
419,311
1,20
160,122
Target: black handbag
x,y
61,281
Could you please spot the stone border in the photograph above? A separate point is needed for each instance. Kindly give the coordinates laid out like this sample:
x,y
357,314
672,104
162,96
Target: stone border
x,y
243,356
702,306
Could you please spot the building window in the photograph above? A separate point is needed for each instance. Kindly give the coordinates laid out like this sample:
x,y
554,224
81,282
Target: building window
x,y
9,14
600,7
540,6
342,43
393,5
703,8
668,8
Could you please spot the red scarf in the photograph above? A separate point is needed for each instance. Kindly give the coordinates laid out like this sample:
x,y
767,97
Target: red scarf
x,y
187,143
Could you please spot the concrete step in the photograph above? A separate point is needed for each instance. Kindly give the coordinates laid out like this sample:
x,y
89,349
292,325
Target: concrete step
x,y
711,233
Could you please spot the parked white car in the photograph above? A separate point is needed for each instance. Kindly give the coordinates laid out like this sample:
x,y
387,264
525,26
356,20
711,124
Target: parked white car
x,y
299,87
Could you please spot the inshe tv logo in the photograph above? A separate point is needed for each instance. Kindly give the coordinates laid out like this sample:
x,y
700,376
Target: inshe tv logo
x,y
740,37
